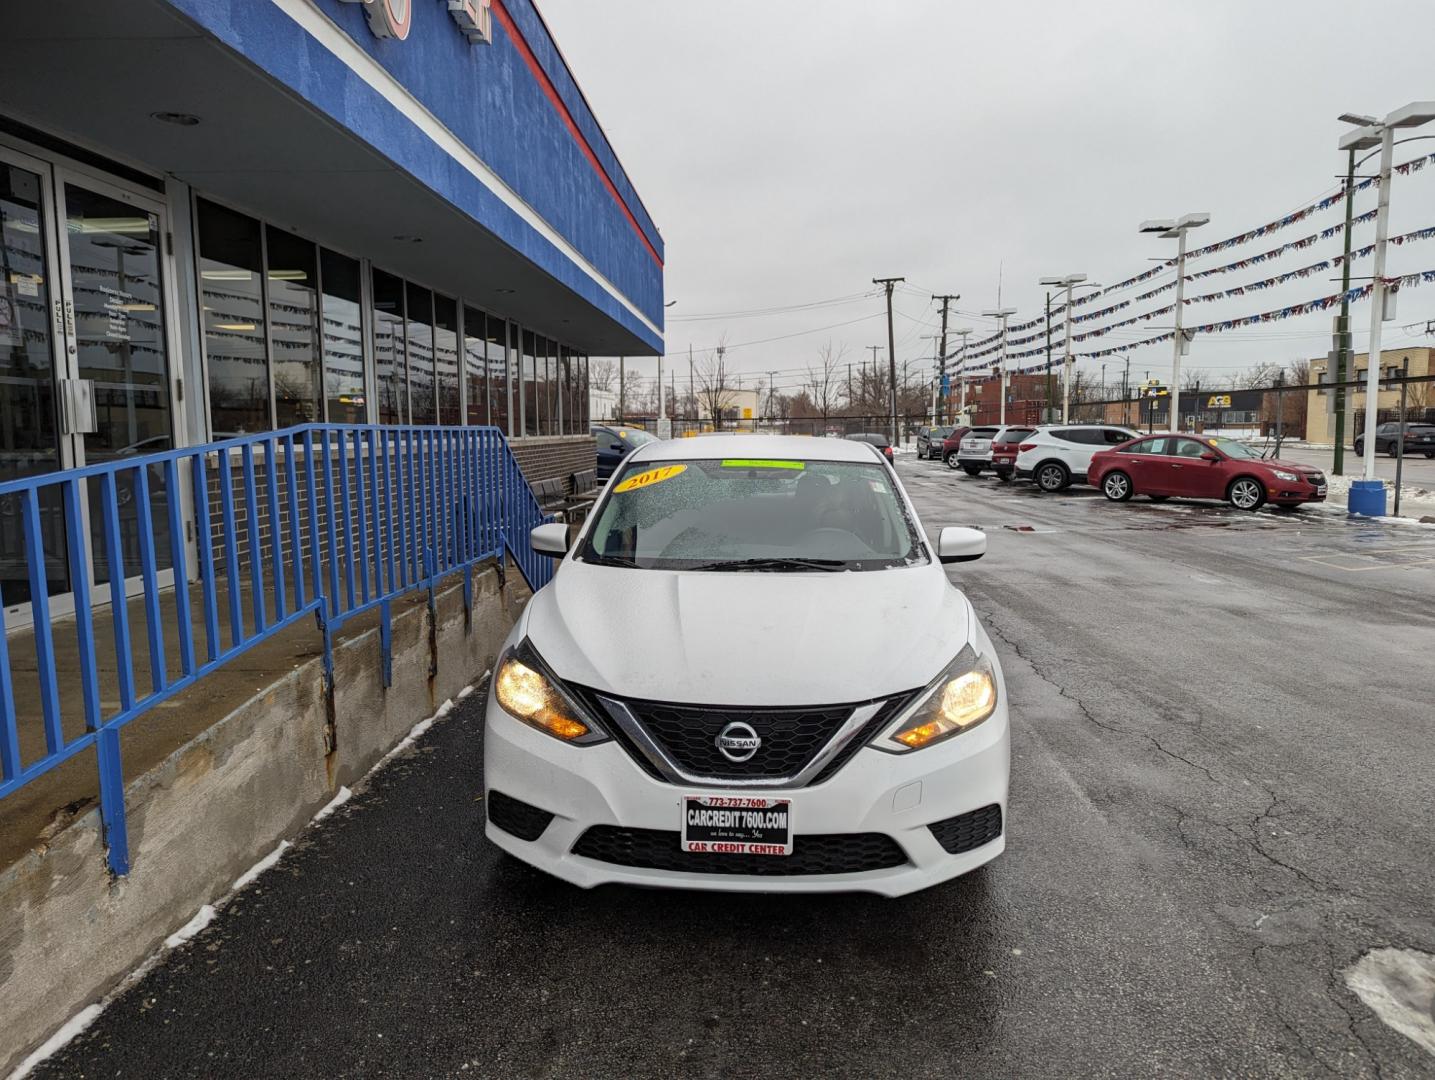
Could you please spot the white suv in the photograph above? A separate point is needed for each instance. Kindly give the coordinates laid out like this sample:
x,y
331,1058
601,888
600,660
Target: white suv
x,y
1057,456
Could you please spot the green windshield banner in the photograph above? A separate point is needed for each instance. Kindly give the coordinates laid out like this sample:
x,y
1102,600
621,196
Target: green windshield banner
x,y
760,463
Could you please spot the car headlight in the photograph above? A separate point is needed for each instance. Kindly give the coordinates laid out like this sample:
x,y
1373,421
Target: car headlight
x,y
526,690
959,699
1281,474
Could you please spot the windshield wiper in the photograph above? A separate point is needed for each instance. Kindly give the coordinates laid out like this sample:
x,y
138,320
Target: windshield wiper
x,y
779,562
612,560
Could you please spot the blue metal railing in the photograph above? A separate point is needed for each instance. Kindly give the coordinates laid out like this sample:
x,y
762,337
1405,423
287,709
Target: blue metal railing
x,y
321,520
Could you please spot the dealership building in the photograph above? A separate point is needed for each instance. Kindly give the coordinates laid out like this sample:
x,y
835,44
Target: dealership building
x,y
221,217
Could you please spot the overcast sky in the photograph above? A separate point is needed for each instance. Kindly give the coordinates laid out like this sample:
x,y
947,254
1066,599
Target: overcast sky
x,y
792,151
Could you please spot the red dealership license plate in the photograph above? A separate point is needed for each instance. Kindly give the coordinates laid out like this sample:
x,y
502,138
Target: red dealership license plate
x,y
737,825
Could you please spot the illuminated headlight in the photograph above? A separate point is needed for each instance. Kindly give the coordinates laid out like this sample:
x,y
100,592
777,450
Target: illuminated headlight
x,y
959,699
526,690
1281,474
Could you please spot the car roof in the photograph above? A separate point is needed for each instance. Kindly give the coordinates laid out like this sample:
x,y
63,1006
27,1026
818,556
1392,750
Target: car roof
x,y
789,447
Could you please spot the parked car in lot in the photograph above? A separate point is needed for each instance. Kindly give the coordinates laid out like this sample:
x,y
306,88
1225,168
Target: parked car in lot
x,y
1004,451
976,450
786,757
952,445
929,440
1058,456
1419,439
876,438
615,442
1202,467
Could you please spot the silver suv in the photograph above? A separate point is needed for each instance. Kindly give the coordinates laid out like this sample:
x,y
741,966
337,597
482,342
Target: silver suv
x,y
975,452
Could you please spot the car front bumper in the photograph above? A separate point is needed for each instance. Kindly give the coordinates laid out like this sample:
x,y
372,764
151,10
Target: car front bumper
x,y
898,795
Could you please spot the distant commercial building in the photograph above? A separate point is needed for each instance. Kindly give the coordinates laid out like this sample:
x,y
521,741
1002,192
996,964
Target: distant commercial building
x,y
1420,397
231,216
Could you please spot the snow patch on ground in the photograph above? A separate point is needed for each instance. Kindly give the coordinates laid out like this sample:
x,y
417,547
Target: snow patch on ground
x,y
77,1024
1398,985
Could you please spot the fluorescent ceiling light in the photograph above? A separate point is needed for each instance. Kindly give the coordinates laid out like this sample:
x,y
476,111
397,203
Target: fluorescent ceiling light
x,y
235,326
288,275
227,275
140,225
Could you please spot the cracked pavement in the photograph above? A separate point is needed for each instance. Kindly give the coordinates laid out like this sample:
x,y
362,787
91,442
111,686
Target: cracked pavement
x,y
1222,763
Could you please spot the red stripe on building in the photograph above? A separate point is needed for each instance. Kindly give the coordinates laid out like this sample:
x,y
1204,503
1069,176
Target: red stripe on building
x,y
551,91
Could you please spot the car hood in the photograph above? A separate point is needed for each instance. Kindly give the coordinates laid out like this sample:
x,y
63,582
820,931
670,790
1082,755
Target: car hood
x,y
1296,467
772,639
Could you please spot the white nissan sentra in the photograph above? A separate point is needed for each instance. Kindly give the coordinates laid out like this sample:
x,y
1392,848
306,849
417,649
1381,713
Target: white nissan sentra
x,y
750,672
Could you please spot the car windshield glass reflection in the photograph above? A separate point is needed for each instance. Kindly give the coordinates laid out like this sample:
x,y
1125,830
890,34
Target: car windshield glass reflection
x,y
1234,449
741,514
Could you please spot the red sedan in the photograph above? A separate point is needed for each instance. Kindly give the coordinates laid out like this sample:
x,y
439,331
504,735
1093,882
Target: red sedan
x,y
1202,467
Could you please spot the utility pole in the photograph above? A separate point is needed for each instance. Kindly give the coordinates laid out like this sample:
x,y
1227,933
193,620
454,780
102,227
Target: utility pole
x,y
941,417
692,395
621,362
890,284
875,350
771,389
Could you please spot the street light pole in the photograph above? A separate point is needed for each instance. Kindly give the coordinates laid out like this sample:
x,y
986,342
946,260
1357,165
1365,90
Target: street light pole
x,y
1003,314
963,333
1177,230
1367,495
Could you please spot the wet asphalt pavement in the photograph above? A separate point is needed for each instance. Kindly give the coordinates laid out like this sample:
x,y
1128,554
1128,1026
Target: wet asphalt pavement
x,y
1223,759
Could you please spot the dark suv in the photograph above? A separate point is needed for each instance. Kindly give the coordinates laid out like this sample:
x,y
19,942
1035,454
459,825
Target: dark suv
x,y
1419,439
929,441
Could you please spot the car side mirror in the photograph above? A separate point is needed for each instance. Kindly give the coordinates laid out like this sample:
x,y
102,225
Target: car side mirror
x,y
955,544
1210,455
550,539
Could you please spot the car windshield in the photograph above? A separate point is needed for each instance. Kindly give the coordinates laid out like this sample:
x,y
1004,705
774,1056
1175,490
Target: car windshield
x,y
636,436
753,514
1234,449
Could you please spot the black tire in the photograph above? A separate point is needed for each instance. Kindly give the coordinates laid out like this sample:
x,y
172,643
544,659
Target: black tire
x,y
1005,477
1158,498
1246,493
951,460
972,470
1430,454
1394,449
1052,476
1116,486
1359,448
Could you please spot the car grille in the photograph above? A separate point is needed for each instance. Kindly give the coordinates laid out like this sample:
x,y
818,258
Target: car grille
x,y
968,831
659,849
791,737
1315,477
516,816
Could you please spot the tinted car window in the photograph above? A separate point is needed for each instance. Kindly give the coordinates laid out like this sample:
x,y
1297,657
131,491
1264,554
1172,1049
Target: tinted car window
x,y
1116,436
1146,446
1187,448
1014,435
1085,436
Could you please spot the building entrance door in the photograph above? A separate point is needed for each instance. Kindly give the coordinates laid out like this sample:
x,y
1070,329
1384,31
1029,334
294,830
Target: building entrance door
x,y
83,303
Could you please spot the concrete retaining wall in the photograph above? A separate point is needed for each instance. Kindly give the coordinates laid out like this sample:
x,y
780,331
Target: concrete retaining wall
x,y
69,932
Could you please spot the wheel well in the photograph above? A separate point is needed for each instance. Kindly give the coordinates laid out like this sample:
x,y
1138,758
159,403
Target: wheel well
x,y
1246,476
1053,461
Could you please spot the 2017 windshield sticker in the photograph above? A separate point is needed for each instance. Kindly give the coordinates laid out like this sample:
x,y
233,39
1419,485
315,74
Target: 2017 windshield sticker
x,y
649,477
761,463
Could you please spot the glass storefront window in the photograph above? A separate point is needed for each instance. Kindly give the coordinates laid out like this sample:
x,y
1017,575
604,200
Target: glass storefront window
x,y
498,368
418,340
445,353
389,349
343,338
232,297
528,379
475,365
293,289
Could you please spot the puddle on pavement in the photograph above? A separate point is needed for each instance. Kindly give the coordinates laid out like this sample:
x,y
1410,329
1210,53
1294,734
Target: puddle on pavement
x,y
1398,985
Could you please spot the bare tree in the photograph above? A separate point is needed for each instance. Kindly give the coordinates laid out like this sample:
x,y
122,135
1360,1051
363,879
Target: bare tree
x,y
1298,373
601,375
823,386
1255,377
714,383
